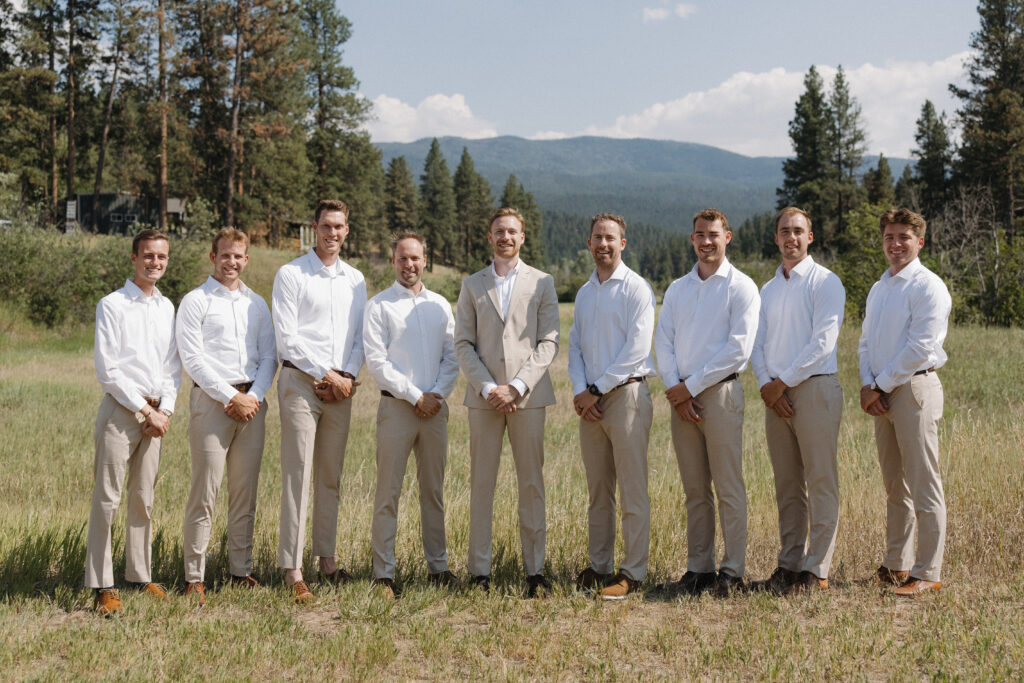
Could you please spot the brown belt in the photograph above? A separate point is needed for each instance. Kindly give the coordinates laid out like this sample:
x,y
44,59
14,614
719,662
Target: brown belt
x,y
244,387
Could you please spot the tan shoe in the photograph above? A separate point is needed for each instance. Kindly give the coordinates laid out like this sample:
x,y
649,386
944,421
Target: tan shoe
x,y
891,577
154,589
245,582
915,587
619,587
107,601
196,588
805,583
302,593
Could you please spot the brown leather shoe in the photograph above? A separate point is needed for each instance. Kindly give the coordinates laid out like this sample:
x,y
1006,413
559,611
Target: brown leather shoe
x,y
106,601
915,587
386,588
196,588
302,593
154,589
444,579
619,587
780,580
891,577
806,582
591,579
338,577
244,582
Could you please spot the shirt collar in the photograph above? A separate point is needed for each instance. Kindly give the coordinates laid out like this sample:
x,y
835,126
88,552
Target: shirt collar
x,y
135,293
514,271
618,274
402,290
317,265
801,269
724,270
215,287
908,271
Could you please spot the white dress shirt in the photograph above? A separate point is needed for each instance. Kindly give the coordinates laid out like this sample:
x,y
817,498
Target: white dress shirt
x,y
504,285
226,337
135,354
409,341
612,326
904,326
799,327
706,328
318,315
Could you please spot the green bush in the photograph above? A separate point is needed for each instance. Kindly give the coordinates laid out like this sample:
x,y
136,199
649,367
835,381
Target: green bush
x,y
57,279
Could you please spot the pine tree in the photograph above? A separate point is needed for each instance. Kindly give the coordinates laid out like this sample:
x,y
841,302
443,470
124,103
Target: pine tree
x,y
399,197
474,205
437,207
906,193
878,183
806,173
934,156
992,108
847,144
514,195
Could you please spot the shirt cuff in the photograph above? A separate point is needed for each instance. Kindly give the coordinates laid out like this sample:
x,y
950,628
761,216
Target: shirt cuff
x,y
413,395
487,388
520,386
692,386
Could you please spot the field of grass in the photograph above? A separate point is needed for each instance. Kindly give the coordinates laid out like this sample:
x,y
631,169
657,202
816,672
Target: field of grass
x,y
972,629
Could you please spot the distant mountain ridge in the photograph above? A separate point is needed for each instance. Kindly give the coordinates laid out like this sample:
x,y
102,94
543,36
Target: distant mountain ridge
x,y
660,182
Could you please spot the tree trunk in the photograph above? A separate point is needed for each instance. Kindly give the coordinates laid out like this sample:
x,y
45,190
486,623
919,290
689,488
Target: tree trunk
x,y
54,172
162,66
103,138
236,100
71,101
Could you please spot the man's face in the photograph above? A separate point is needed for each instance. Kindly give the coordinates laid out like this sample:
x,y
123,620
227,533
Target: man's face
x,y
228,261
792,236
901,245
150,261
331,231
606,243
408,262
709,239
506,236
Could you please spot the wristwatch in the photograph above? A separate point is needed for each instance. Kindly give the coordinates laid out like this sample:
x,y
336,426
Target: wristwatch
x,y
595,391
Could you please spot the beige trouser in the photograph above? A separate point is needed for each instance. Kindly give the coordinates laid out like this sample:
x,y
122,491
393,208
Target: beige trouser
x,y
711,452
121,445
908,454
526,435
803,455
313,438
615,451
399,430
215,441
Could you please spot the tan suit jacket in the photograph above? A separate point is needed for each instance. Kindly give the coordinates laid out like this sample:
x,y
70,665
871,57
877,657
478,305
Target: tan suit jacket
x,y
493,349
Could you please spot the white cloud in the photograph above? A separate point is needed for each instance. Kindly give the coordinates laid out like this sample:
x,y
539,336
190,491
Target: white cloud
x,y
681,10
437,115
548,135
749,113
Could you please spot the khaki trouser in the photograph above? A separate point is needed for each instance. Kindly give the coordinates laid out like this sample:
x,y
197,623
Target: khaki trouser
x,y
526,435
615,451
121,446
803,455
399,430
217,441
313,439
908,454
711,452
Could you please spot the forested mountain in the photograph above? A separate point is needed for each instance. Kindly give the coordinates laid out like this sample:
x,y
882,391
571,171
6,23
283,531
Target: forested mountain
x,y
658,182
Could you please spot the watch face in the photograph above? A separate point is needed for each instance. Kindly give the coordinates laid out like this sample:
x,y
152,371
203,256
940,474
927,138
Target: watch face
x,y
594,390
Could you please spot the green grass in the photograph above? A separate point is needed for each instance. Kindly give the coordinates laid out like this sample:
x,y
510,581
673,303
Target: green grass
x,y
972,629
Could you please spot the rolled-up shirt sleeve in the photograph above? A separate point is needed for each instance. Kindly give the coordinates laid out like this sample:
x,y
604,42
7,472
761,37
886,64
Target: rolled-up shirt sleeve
x,y
106,351
639,331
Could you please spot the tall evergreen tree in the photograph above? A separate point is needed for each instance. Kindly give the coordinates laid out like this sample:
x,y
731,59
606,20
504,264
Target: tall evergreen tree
x,y
437,207
474,204
992,108
847,142
805,173
934,155
82,18
878,183
515,195
400,197
906,193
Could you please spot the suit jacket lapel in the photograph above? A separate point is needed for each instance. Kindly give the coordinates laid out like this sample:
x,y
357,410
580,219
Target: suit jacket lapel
x,y
523,283
487,278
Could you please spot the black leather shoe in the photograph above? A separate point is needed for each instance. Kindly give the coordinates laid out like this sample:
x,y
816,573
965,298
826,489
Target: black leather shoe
x,y
481,582
727,585
537,583
691,583
591,579
777,583
445,579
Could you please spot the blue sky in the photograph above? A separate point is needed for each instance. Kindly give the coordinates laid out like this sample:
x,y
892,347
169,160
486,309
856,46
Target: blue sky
x,y
719,73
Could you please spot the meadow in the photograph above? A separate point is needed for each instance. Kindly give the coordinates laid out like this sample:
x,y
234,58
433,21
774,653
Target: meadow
x,y
972,629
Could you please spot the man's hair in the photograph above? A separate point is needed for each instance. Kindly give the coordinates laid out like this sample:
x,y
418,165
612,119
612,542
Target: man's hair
x,y
507,211
145,236
613,217
903,217
789,211
330,205
233,235
407,235
711,215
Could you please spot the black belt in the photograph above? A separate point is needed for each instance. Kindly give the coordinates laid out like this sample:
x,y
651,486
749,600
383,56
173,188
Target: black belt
x,y
823,374
244,387
631,380
729,378
289,364
387,393
924,372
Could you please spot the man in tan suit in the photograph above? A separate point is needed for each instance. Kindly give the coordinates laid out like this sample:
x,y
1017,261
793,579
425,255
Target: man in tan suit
x,y
506,337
